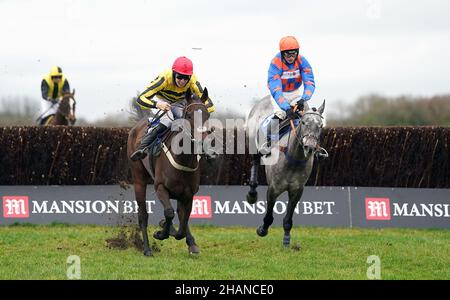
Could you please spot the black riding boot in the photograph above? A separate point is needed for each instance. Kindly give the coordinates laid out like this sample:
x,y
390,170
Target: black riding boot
x,y
147,140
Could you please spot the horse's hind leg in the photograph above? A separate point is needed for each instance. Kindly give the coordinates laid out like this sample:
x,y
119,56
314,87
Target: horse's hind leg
x,y
252,195
268,218
294,197
140,192
172,230
169,213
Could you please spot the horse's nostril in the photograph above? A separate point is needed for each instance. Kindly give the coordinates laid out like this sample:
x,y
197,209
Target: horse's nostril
x,y
308,149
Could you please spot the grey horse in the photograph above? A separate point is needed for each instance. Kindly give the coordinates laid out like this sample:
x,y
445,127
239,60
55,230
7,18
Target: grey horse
x,y
289,164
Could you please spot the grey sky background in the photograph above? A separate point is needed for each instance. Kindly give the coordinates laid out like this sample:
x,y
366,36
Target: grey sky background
x,y
110,49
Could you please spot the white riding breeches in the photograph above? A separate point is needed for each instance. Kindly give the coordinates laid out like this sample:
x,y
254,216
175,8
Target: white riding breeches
x,y
292,97
48,108
176,112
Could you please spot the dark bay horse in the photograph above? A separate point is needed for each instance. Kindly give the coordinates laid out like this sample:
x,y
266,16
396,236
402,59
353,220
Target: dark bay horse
x,y
65,114
176,174
290,163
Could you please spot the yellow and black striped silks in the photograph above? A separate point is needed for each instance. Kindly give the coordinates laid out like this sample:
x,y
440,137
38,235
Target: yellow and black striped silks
x,y
54,90
164,87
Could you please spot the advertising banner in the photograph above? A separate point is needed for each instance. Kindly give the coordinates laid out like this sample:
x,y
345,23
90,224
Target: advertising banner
x,y
226,206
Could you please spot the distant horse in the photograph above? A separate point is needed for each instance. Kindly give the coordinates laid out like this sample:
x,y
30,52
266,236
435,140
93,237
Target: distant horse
x,y
292,164
65,114
176,176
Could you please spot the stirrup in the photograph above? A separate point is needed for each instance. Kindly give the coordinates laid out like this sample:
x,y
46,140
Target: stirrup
x,y
139,154
265,148
211,155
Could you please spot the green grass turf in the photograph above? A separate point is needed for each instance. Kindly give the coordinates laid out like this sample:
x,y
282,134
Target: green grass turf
x,y
40,252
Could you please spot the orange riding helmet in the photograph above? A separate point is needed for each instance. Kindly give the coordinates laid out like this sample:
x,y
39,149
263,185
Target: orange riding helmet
x,y
289,43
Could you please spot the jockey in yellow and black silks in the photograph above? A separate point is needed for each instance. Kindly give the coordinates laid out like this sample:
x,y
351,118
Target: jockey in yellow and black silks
x,y
53,85
167,92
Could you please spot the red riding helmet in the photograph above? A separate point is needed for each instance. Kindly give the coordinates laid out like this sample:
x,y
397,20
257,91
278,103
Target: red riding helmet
x,y
289,43
183,65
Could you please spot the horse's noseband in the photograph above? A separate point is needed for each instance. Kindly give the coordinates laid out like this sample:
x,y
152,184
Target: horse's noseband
x,y
203,129
320,150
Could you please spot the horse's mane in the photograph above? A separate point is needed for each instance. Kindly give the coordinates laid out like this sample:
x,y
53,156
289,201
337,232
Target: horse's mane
x,y
136,113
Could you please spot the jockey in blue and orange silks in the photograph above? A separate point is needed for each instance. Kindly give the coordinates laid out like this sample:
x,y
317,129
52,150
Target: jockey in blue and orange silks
x,y
287,71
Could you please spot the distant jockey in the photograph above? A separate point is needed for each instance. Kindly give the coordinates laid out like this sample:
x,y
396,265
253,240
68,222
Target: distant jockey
x,y
52,87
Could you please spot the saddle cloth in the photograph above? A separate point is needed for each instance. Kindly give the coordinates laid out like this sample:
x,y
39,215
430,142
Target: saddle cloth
x,y
284,128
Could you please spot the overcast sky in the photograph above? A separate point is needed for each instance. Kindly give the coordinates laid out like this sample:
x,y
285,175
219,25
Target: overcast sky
x,y
110,49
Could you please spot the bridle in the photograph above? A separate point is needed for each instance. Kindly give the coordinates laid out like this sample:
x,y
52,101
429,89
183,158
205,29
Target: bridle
x,y
183,129
71,109
321,151
192,138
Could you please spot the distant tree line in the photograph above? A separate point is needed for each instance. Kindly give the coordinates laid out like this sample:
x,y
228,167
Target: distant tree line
x,y
399,111
369,110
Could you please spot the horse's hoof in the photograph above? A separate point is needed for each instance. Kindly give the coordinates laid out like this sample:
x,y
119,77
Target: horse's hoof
x,y
160,236
194,250
179,236
162,223
148,253
261,231
286,241
252,197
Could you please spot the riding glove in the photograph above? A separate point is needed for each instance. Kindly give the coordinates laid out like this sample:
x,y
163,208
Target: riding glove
x,y
300,104
290,114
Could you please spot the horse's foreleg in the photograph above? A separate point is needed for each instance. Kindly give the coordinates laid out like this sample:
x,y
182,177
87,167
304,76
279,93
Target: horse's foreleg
x,y
169,213
190,241
184,213
294,197
140,192
268,218
252,195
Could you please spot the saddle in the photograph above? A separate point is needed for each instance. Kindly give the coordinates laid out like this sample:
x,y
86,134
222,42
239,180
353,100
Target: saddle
x,y
46,120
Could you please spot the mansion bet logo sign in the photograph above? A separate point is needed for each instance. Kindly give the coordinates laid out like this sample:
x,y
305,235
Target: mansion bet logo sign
x,y
378,209
15,207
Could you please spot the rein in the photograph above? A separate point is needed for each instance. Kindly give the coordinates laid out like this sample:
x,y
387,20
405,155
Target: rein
x,y
290,159
167,149
66,116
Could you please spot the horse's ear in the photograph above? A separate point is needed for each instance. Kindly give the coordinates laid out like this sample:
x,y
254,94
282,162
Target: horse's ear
x,y
188,95
204,95
322,107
